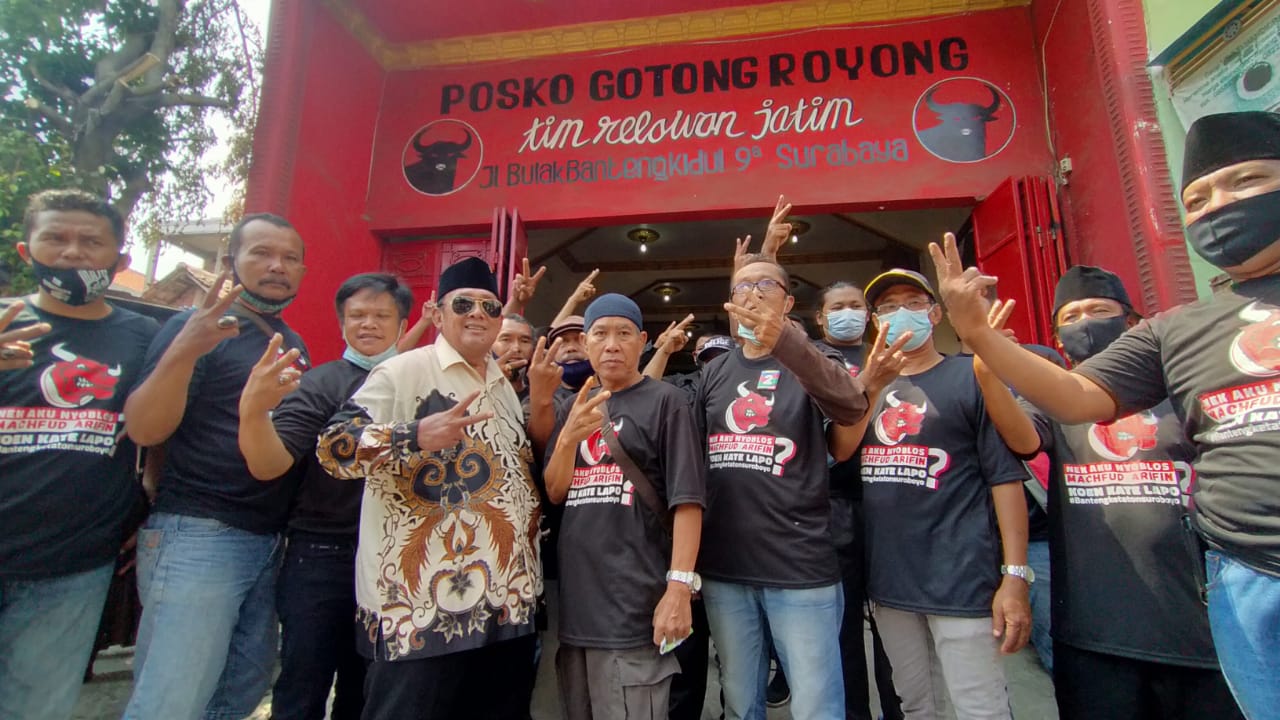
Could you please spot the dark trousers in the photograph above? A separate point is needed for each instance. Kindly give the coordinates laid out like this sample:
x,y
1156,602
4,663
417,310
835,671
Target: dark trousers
x,y
689,688
1094,686
316,601
489,683
847,530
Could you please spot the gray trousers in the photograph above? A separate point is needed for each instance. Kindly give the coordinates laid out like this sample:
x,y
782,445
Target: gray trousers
x,y
598,684
972,668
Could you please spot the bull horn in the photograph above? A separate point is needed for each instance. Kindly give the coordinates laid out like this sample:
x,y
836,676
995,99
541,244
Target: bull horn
x,y
928,100
995,102
769,402
114,371
742,390
924,408
59,352
892,399
1149,419
466,143
417,142
1253,313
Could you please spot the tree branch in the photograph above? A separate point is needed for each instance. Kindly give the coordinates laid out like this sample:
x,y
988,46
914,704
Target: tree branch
x,y
136,185
190,100
113,66
62,91
63,125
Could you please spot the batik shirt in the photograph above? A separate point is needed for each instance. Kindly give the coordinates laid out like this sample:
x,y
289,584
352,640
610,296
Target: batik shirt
x,y
448,556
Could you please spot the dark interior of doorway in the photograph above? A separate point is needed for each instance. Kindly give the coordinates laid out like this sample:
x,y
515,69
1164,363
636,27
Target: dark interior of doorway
x,y
675,268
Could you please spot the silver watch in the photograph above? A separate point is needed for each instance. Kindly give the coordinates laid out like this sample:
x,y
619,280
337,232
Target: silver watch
x,y
1019,571
688,577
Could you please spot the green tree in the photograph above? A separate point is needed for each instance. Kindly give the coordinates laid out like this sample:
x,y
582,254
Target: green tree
x,y
117,97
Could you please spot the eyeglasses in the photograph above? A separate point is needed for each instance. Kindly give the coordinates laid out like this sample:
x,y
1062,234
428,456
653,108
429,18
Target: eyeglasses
x,y
913,305
766,286
463,305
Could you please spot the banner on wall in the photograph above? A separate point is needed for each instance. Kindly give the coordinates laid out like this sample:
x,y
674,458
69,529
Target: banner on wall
x,y
1243,75
942,108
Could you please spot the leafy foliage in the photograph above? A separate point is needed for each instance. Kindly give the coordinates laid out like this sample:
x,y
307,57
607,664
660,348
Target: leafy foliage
x,y
122,98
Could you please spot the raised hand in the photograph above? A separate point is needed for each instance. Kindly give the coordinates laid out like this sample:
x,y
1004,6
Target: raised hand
x,y
544,374
445,429
779,231
741,248
429,309
210,324
586,289
525,284
271,378
963,290
999,314
15,351
884,364
585,416
673,339
766,323
508,361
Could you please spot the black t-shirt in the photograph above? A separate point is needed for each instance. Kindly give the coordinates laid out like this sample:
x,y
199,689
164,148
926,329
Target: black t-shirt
x,y
67,479
614,550
324,504
846,477
204,473
929,459
767,485
1218,361
1122,562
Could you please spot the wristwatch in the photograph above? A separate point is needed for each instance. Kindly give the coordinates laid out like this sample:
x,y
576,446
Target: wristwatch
x,y
688,577
1019,571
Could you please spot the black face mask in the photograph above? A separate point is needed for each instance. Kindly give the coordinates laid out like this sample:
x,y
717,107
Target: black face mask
x,y
1232,234
1083,339
72,286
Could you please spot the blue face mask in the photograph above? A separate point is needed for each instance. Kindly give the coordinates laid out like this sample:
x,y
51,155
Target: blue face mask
x,y
575,373
902,320
846,325
359,359
748,334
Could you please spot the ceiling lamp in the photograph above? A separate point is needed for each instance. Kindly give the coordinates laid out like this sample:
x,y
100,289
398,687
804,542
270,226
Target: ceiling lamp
x,y
667,291
798,228
644,236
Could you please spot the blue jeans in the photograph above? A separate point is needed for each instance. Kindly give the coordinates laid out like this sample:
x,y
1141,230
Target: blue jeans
x,y
316,599
805,625
47,628
207,640
1244,616
1038,559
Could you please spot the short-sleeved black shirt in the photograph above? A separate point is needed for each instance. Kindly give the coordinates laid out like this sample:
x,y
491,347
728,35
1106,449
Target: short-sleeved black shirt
x,y
768,513
204,473
67,481
1122,561
1218,361
324,504
929,459
614,550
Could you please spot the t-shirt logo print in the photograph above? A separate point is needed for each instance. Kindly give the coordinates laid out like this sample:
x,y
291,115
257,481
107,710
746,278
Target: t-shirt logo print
x,y
75,381
748,412
899,419
594,449
1256,350
1123,438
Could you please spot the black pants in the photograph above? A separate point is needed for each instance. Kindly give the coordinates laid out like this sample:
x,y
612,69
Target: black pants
x,y
1094,686
689,688
489,683
316,601
847,530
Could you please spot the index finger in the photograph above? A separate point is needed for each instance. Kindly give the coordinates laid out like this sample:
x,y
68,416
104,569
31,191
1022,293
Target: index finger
x,y
585,390
270,355
211,298
899,343
781,209
26,333
685,322
591,278
473,419
225,302
525,263
10,313
538,275
954,263
461,407
1001,313
738,310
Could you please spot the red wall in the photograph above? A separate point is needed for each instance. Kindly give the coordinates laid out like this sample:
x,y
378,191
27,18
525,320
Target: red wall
x,y
312,154
1118,198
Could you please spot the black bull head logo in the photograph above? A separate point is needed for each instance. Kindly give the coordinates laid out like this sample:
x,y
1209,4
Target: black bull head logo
x,y
962,133
434,172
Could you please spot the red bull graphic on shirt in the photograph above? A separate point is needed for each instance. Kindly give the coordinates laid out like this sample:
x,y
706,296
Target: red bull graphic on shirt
x,y
898,462
742,449
1251,408
70,383
1126,480
600,482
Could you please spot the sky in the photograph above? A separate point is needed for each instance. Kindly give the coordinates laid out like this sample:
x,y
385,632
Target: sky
x,y
258,12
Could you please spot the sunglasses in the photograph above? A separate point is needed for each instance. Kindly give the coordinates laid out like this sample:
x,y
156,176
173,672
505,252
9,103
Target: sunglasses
x,y
463,305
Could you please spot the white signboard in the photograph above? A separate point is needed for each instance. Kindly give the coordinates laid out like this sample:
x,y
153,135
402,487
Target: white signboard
x,y
1243,75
